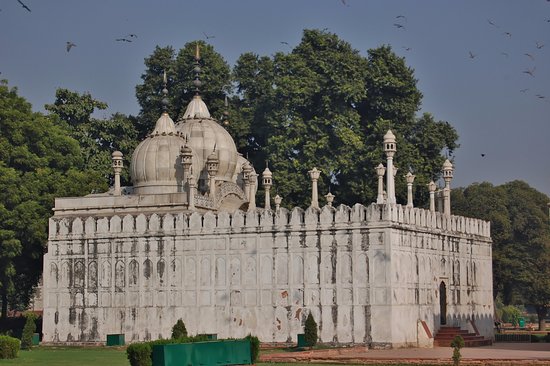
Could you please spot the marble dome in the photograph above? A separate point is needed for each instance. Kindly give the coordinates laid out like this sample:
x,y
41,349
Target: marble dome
x,y
156,164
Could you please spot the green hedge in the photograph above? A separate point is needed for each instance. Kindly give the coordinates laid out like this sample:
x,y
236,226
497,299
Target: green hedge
x,y
9,346
254,347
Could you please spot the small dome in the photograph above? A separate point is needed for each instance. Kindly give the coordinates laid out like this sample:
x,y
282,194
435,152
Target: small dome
x,y
389,137
447,165
116,154
155,163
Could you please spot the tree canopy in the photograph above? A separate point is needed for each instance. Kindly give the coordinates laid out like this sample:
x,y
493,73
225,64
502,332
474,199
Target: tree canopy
x,y
521,239
38,162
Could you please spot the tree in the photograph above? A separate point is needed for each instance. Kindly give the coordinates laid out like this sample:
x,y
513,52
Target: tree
x,y
179,330
327,106
38,162
98,137
28,331
310,331
521,239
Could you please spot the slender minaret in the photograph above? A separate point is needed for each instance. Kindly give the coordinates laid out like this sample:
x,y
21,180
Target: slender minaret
x,y
192,189
267,183
252,178
447,177
432,187
380,171
247,170
314,174
117,167
410,179
212,165
390,147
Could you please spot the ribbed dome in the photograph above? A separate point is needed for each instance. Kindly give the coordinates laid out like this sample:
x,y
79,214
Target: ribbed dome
x,y
155,162
204,135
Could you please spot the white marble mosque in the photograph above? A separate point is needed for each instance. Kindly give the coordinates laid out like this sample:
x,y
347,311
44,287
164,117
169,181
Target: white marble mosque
x,y
188,241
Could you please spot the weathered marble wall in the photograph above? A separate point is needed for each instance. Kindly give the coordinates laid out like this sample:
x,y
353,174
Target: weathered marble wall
x,y
368,274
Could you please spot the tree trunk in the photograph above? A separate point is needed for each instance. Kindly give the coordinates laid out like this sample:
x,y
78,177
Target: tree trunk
x,y
542,310
4,304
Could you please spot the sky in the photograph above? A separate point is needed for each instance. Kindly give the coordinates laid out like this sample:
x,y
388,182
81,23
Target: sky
x,y
483,66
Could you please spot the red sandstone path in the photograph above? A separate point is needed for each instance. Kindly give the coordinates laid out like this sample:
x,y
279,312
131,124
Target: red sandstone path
x,y
498,354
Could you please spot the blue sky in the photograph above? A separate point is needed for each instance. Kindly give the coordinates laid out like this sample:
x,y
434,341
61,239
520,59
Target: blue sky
x,y
471,72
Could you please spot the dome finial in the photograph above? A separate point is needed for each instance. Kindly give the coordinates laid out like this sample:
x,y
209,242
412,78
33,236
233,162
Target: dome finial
x,y
197,82
165,93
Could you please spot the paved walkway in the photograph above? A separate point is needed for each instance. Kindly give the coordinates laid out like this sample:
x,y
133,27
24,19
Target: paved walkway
x,y
497,354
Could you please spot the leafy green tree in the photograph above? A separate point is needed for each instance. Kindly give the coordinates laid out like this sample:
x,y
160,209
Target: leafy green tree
x,y
521,239
325,105
38,162
28,331
215,77
310,331
179,330
98,137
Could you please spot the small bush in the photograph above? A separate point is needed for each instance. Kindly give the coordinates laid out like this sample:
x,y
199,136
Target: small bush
x,y
254,347
139,354
28,331
9,347
310,331
179,330
457,344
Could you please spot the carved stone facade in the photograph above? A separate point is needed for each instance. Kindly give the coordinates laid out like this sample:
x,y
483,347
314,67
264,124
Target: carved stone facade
x,y
370,275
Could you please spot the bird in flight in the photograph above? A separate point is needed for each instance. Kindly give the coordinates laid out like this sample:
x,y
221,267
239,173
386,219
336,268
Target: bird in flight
x,y
407,48
530,56
472,55
539,45
530,72
508,34
524,90
492,23
123,40
398,25
207,36
540,96
283,42
24,6
482,155
344,2
401,16
70,45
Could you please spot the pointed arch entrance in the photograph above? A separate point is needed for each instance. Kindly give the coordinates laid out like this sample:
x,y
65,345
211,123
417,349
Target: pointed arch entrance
x,y
443,303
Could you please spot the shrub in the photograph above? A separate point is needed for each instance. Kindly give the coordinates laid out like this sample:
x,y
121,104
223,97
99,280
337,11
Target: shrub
x,y
9,346
511,314
179,330
254,347
457,344
310,331
139,354
28,331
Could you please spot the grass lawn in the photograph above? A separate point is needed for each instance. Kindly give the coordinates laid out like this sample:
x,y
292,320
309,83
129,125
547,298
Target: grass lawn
x,y
70,356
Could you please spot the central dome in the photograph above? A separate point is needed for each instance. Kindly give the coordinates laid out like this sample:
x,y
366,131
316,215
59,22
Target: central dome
x,y
204,135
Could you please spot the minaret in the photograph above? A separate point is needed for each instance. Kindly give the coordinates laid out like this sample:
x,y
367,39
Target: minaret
x,y
212,165
247,170
192,190
432,187
117,167
380,171
267,183
447,177
252,178
390,147
314,174
410,179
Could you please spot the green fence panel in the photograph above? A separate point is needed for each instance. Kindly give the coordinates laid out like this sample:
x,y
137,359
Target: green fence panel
x,y
229,352
302,340
115,340
35,339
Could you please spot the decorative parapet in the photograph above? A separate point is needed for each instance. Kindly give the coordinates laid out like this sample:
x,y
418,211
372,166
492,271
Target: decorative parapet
x,y
327,217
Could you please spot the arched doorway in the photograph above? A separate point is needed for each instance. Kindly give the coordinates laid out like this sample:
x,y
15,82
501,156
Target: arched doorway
x,y
443,303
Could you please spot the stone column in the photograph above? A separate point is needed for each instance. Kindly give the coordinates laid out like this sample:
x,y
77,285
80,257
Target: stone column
x,y
410,179
117,167
186,156
439,196
447,177
432,187
380,171
252,178
247,170
267,183
277,199
314,174
390,147
192,190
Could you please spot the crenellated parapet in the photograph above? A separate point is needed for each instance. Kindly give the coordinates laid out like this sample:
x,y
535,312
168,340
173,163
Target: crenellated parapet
x,y
282,219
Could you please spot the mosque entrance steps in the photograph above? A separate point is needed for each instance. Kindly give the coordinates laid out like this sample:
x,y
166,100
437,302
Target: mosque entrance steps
x,y
445,336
